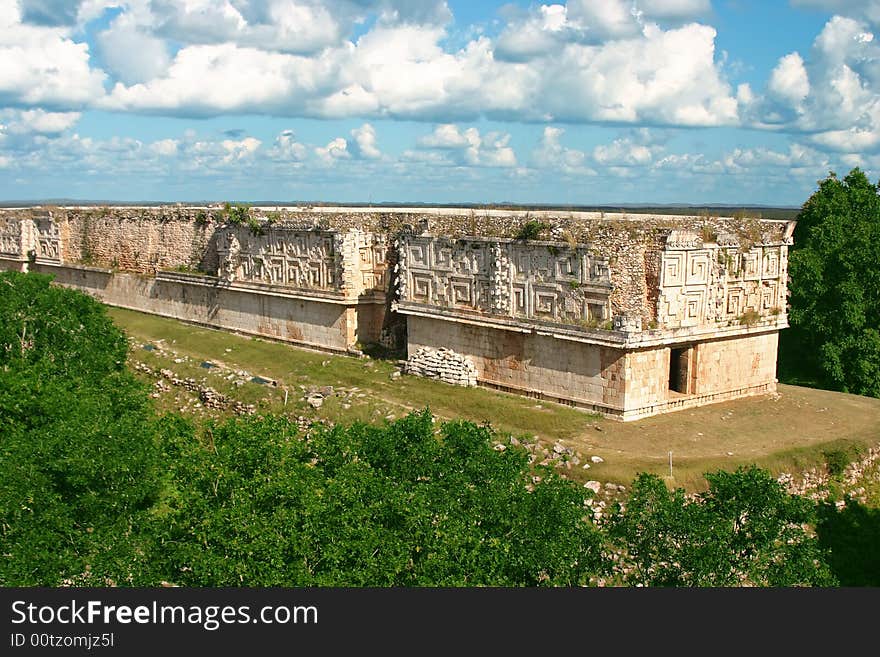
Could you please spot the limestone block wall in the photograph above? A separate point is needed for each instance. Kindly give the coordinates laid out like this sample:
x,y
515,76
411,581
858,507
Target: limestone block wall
x,y
597,312
571,372
149,239
647,377
714,370
736,363
205,300
142,240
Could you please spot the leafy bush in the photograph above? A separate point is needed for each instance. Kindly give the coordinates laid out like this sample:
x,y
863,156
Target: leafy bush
x,y
531,230
237,214
835,287
836,460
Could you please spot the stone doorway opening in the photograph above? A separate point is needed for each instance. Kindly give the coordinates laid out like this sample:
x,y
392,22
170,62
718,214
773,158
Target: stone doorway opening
x,y
680,366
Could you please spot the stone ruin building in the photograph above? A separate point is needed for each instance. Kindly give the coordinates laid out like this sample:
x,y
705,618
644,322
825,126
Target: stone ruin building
x,y
625,314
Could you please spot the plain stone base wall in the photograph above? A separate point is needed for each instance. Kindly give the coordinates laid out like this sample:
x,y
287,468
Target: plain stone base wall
x,y
369,321
311,323
619,384
681,402
736,363
13,264
572,373
724,369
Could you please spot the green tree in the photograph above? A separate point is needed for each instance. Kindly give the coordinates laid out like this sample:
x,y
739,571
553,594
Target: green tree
x,y
745,530
77,457
255,503
835,287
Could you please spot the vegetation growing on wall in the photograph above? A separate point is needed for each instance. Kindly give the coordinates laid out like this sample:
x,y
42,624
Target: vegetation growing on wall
x,y
237,214
531,230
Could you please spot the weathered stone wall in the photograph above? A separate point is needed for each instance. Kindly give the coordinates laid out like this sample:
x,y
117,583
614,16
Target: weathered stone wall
x,y
736,363
720,282
352,263
145,240
584,314
17,236
205,300
580,374
647,377
717,370
137,239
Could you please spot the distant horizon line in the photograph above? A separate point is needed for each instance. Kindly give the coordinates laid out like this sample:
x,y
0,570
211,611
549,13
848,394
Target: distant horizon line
x,y
499,205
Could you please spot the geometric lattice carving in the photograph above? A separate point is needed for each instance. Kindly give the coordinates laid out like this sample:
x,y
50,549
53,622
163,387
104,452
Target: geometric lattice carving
x,y
296,258
421,287
10,238
546,281
771,263
709,284
697,268
545,302
673,269
752,265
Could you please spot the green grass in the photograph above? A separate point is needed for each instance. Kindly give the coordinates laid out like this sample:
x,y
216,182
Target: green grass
x,y
293,367
787,432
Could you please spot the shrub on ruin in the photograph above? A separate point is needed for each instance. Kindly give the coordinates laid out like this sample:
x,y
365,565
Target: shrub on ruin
x,y
531,230
237,214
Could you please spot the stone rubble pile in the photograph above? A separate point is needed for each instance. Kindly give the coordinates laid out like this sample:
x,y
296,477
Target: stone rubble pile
x,y
560,457
443,364
207,395
814,482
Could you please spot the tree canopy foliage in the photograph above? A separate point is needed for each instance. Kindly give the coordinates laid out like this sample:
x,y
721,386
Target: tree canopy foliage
x,y
407,504
745,530
77,457
95,488
835,286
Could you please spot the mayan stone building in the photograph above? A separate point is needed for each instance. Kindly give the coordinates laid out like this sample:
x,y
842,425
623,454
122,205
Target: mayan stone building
x,y
626,314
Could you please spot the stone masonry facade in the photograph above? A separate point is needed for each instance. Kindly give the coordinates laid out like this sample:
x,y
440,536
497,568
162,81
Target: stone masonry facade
x,y
624,314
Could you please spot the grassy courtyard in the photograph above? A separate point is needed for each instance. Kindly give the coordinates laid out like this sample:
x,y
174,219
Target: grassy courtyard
x,y
789,431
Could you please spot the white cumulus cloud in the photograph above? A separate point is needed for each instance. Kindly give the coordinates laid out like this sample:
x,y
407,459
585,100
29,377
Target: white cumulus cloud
x,y
468,147
287,148
364,144
551,154
131,53
337,149
43,65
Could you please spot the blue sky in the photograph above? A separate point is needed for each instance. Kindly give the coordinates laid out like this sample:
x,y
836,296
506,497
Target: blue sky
x,y
585,102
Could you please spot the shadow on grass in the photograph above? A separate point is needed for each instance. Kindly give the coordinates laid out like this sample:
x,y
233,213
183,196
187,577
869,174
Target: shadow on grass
x,y
852,535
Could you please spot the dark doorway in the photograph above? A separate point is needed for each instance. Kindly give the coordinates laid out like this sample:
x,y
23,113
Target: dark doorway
x,y
678,370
